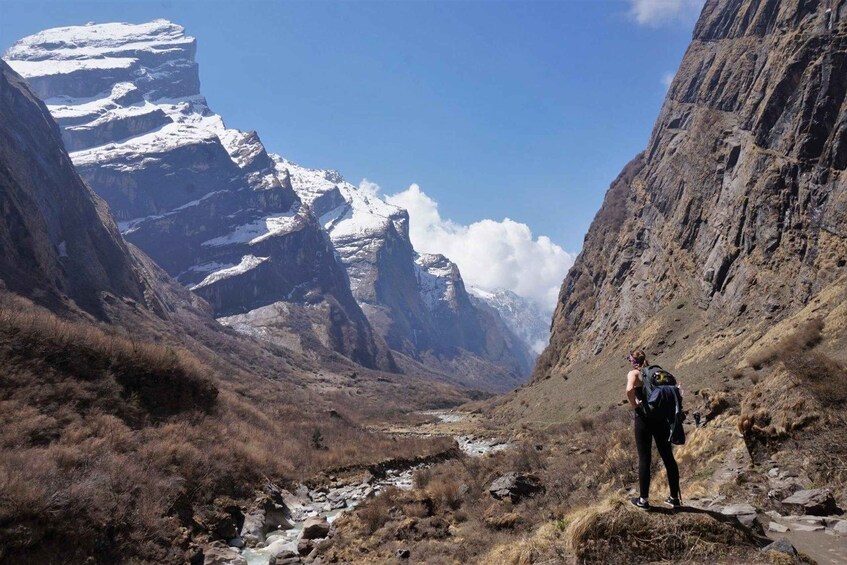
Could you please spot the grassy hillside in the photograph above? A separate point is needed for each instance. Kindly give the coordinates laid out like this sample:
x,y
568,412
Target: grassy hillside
x,y
118,448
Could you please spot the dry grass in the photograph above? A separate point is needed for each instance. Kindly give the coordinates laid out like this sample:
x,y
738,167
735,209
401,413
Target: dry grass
x,y
805,336
578,466
115,449
612,532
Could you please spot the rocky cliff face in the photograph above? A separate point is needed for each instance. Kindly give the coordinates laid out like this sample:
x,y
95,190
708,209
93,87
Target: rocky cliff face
x,y
58,244
735,215
205,202
418,303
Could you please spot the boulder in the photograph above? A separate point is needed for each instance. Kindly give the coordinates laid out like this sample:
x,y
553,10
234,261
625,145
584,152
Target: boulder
x,y
840,528
515,486
253,530
817,502
782,545
222,555
315,528
281,549
777,528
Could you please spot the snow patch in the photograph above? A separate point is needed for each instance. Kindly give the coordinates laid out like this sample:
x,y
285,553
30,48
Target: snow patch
x,y
248,263
258,230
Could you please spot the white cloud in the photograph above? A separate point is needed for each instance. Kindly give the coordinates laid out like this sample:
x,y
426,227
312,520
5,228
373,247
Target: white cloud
x,y
656,13
368,187
490,254
667,79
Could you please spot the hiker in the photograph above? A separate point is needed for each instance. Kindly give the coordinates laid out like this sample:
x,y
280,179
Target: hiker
x,y
649,427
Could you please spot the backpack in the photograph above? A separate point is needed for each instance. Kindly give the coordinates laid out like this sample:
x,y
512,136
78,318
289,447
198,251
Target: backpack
x,y
663,401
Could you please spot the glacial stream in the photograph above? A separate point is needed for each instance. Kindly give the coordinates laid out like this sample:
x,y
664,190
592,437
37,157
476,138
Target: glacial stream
x,y
331,502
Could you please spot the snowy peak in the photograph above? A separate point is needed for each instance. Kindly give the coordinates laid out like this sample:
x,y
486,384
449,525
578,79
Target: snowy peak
x,y
156,56
205,202
346,211
93,45
522,316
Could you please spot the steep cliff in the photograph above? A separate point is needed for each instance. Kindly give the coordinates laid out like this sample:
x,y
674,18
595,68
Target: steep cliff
x,y
58,244
732,219
205,202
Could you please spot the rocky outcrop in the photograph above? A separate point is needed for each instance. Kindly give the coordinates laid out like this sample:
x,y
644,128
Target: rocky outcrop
x,y
205,202
735,215
58,244
515,486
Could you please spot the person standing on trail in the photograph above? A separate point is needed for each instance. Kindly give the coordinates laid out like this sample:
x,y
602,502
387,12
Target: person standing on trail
x,y
647,429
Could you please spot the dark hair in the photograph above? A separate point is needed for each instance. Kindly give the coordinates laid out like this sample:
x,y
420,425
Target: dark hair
x,y
638,356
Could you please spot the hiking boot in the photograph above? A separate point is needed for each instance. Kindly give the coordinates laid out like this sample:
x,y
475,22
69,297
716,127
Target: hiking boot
x,y
639,502
673,502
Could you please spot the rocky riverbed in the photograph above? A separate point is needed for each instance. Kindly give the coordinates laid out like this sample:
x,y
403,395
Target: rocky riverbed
x,y
286,527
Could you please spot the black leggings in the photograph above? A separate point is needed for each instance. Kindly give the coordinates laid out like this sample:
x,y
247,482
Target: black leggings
x,y
645,432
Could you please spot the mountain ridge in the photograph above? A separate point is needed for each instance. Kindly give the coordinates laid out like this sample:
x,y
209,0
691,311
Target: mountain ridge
x,y
739,191
250,232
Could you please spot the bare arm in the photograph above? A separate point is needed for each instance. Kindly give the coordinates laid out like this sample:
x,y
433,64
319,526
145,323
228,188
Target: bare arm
x,y
632,379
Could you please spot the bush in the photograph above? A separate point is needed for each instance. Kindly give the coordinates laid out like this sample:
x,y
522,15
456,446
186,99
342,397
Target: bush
x,y
376,512
805,336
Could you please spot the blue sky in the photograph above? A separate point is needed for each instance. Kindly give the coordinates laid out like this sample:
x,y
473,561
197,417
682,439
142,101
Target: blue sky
x,y
496,109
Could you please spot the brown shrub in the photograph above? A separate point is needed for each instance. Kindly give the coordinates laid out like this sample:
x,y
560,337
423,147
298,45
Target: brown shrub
x,y
445,492
805,336
109,446
824,377
422,477
376,512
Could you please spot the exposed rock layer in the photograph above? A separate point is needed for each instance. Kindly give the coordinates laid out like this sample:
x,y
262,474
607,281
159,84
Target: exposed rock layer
x,y
735,216
58,243
205,202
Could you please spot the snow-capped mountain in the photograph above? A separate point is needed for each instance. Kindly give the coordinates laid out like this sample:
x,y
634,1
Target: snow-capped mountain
x,y
204,201
288,253
521,315
418,303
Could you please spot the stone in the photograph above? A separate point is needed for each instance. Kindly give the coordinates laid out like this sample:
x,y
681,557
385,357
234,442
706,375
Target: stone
x,y
253,529
748,520
315,528
773,514
237,543
222,555
806,527
305,546
515,486
738,509
782,545
777,527
818,502
840,528
281,549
